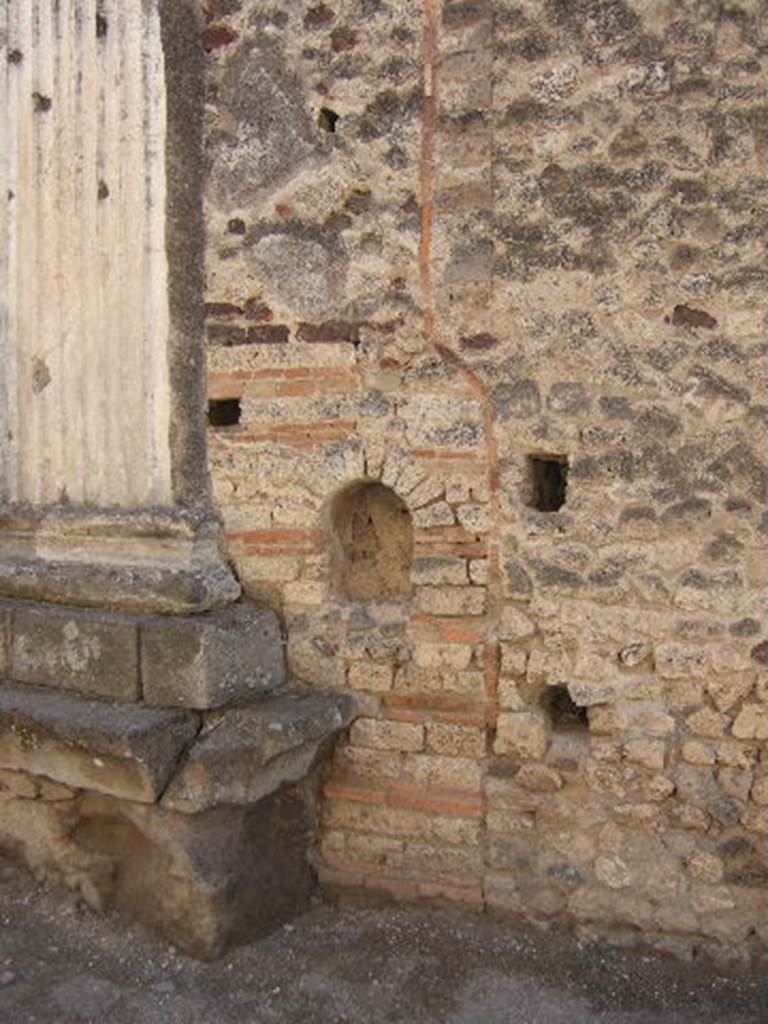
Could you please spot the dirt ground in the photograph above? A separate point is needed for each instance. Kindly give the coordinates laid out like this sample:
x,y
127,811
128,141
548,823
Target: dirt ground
x,y
60,964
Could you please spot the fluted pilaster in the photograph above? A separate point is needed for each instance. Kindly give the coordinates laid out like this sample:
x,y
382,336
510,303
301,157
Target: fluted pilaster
x,y
84,365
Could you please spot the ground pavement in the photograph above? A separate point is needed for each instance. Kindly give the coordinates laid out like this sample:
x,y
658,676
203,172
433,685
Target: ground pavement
x,y
62,964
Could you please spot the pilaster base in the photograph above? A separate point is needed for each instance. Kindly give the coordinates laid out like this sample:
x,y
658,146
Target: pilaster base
x,y
151,560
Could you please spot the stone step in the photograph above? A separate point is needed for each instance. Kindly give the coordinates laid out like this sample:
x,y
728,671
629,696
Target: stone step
x,y
238,756
125,750
197,826
243,754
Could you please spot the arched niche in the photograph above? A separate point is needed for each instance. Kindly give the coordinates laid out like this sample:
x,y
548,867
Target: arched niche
x,y
372,541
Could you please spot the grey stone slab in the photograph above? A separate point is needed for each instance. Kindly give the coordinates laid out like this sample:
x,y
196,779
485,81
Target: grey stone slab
x,y
243,754
121,749
207,661
91,652
170,591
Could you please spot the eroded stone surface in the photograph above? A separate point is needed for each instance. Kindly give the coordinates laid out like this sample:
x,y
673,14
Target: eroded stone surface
x,y
202,881
94,653
243,754
120,749
206,661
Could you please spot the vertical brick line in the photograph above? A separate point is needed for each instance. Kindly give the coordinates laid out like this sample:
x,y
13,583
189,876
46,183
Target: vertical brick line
x,y
427,173
427,170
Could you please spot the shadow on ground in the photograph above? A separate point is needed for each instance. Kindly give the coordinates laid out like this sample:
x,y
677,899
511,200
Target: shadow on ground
x,y
61,964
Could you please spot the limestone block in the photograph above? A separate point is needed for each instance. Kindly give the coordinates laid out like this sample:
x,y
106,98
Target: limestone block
x,y
711,898
473,517
436,569
756,819
439,513
376,677
680,661
449,772
726,691
380,735
478,571
244,754
730,658
658,787
119,749
649,753
207,661
411,679
645,718
522,734
705,867
548,668
539,778
586,693
515,625
751,723
451,600
707,722
698,752
613,871
92,652
635,654
509,695
450,656
456,740
513,660
203,882
568,750
735,782
737,754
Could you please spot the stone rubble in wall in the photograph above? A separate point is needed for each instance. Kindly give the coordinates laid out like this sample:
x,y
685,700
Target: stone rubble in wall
x,y
595,269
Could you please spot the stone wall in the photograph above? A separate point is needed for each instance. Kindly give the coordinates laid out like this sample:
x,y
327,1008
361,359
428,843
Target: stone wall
x,y
491,255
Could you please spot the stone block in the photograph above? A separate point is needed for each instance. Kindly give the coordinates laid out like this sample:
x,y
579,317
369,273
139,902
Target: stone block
x,y
133,588
371,676
515,625
539,778
93,652
433,771
649,753
203,882
382,735
456,740
523,734
119,749
751,723
461,601
206,661
243,754
451,656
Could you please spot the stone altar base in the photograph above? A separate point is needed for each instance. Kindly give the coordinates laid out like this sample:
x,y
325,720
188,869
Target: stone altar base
x,y
193,820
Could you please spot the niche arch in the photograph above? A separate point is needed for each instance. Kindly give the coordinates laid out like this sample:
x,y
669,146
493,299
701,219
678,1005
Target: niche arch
x,y
372,543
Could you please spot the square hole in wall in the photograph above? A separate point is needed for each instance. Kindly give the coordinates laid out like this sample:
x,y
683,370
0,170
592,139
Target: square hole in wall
x,y
564,713
547,482
224,412
327,120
